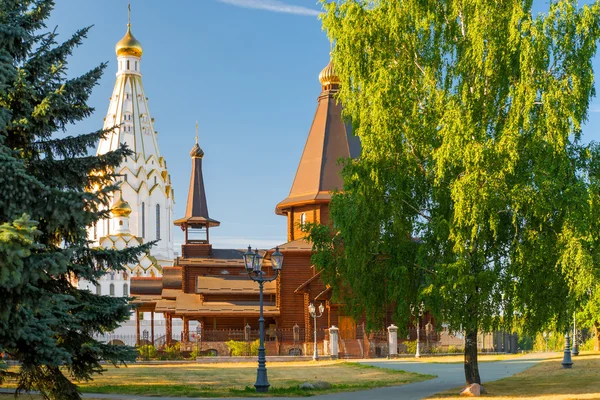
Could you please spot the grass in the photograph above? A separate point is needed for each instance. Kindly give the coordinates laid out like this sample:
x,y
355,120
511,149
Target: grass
x,y
546,380
233,380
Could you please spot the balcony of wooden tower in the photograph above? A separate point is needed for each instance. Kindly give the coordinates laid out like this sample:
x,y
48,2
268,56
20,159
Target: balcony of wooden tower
x,y
197,236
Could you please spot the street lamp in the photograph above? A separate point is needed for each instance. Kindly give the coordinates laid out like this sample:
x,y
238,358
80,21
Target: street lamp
x,y
419,315
199,338
567,362
313,313
145,339
575,351
253,265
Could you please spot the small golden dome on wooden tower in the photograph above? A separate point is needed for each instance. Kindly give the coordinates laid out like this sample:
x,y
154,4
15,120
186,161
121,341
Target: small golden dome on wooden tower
x,y
121,208
329,79
129,45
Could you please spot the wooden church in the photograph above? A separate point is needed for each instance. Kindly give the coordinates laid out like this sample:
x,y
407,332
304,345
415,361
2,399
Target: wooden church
x,y
211,286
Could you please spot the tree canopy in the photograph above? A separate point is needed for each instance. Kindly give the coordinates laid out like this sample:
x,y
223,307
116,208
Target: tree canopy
x,y
51,191
473,189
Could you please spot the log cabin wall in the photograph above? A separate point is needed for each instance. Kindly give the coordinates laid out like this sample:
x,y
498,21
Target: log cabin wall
x,y
295,272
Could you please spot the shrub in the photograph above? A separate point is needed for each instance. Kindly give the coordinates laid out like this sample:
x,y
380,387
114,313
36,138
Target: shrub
x,y
147,351
237,348
454,349
172,352
410,346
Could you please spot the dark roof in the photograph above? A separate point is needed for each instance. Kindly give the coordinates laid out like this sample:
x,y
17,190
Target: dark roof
x,y
301,288
231,285
146,286
296,245
329,139
196,212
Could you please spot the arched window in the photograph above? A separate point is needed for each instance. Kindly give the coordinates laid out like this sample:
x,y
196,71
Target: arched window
x,y
111,289
143,220
125,276
112,276
125,290
127,64
98,290
158,222
136,65
302,219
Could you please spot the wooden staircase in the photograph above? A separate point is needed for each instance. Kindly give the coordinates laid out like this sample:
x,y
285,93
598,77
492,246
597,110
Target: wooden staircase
x,y
351,348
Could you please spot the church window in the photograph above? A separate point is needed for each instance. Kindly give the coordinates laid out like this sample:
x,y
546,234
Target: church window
x,y
111,289
302,219
125,276
125,177
95,230
127,64
108,226
143,220
155,180
136,65
125,290
98,290
120,223
112,276
158,222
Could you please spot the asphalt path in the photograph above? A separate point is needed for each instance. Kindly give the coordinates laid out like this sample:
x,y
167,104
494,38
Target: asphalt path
x,y
448,376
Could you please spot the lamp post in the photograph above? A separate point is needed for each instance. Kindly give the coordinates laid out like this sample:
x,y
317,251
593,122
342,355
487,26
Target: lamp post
x,y
418,315
145,339
567,362
253,265
199,338
313,313
575,350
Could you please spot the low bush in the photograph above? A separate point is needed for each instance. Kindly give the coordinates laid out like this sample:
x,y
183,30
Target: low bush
x,y
237,348
147,351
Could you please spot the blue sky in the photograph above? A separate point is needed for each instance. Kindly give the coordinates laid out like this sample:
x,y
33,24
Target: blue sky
x,y
246,70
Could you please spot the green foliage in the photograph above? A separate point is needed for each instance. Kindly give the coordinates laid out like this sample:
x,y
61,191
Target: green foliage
x,y
525,343
454,349
51,191
147,351
556,342
470,117
172,352
238,348
410,346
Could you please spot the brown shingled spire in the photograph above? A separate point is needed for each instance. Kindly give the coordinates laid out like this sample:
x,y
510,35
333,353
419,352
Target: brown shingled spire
x,y
329,139
196,214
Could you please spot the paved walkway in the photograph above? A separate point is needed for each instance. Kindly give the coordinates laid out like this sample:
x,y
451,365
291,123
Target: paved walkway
x,y
449,375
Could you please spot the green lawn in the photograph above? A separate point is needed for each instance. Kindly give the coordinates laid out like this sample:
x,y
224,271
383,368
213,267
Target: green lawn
x,y
546,380
229,380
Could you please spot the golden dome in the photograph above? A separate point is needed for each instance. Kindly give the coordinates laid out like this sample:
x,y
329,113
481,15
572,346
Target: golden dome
x,y
121,208
328,77
129,45
197,152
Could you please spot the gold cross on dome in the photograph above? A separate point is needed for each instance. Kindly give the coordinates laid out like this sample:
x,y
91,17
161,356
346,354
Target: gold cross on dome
x,y
196,132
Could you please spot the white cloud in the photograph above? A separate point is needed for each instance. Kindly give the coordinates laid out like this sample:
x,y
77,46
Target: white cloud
x,y
273,6
594,109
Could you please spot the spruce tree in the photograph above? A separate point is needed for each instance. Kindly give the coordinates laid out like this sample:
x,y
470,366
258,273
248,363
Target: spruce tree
x,y
51,190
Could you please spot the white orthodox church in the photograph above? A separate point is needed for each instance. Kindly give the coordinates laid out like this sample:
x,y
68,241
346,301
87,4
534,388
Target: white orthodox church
x,y
143,210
